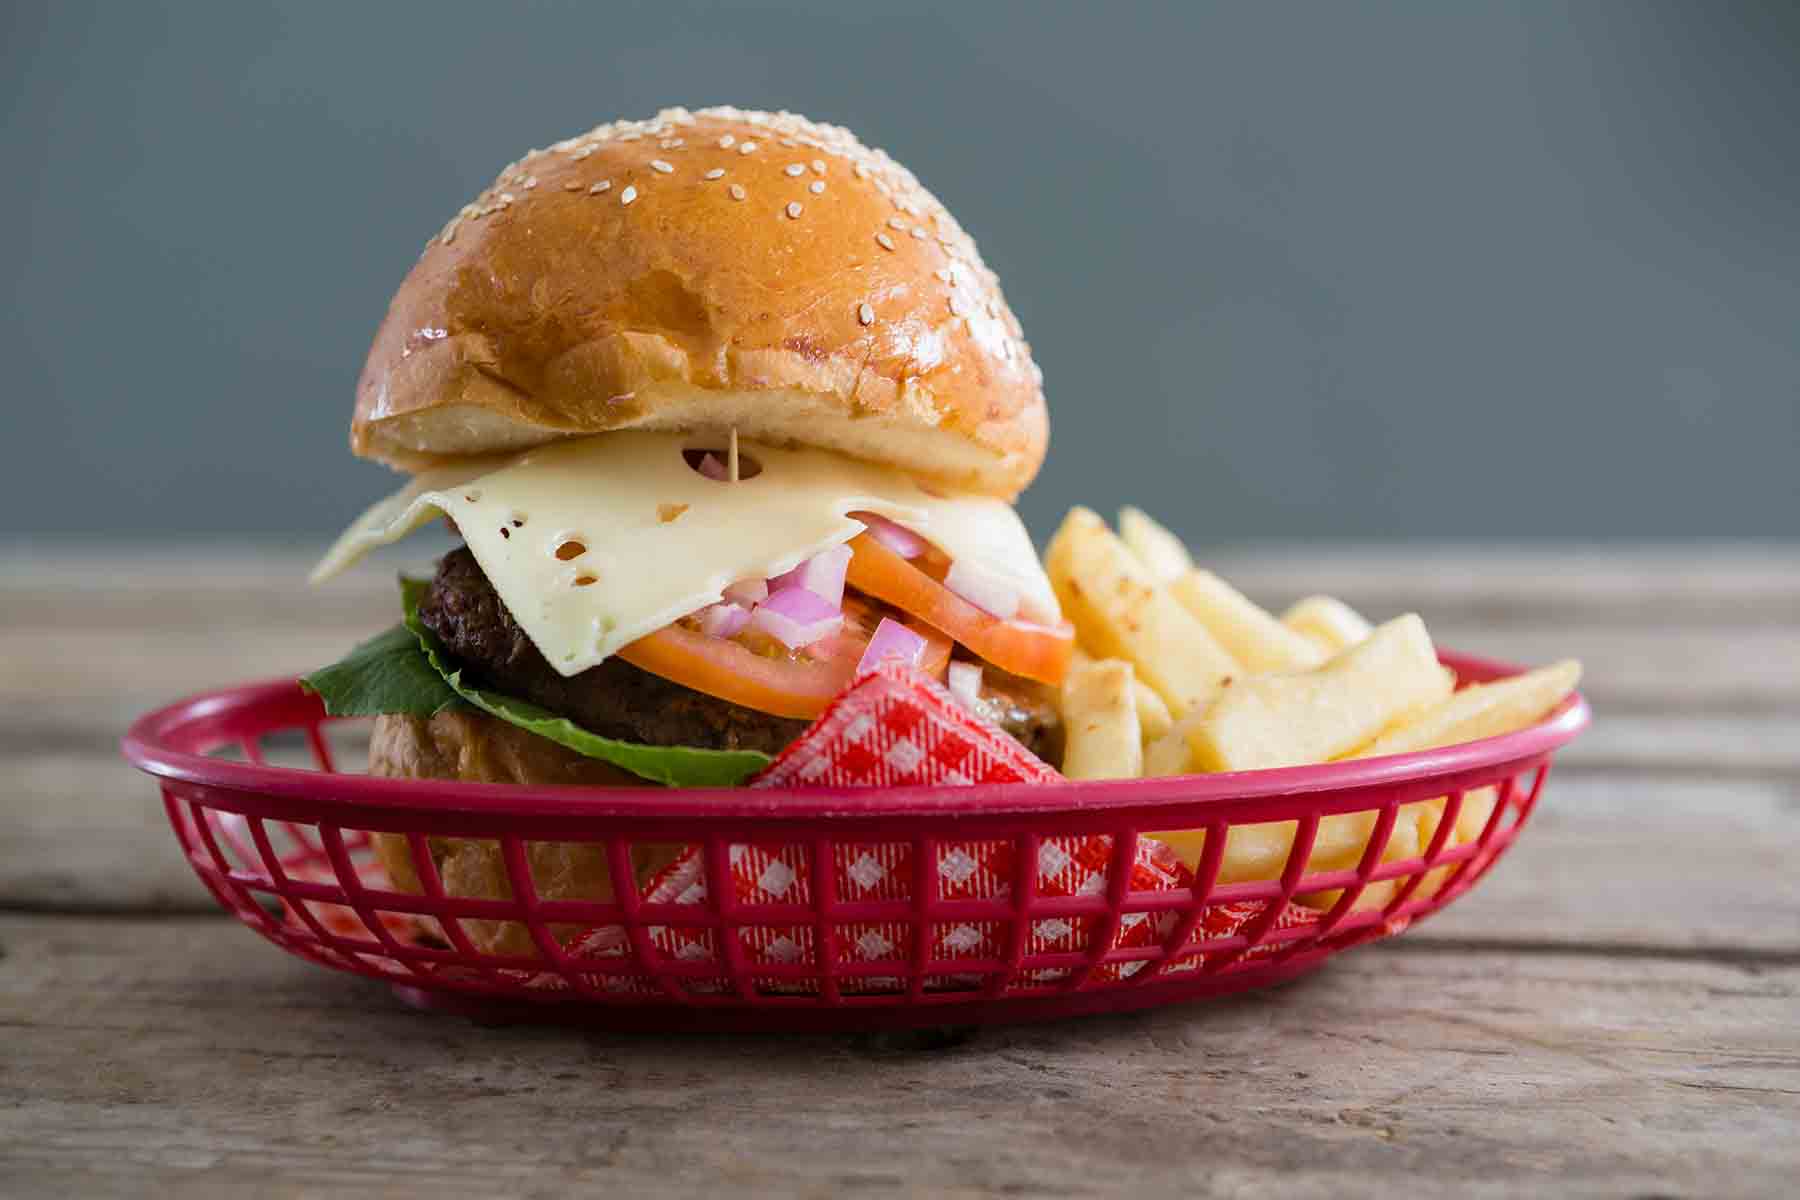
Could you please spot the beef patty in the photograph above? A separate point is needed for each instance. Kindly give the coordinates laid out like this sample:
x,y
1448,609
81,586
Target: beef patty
x,y
614,699
617,700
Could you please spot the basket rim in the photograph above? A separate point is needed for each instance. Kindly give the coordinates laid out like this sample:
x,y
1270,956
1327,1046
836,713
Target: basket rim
x,y
151,745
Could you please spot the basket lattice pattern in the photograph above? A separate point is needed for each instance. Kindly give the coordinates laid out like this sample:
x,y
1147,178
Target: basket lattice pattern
x,y
773,914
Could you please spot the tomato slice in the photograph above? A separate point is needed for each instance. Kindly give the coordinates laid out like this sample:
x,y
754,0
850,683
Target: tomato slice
x,y
1039,652
784,685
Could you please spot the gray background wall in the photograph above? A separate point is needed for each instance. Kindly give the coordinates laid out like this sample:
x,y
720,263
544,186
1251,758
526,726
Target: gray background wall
x,y
1372,270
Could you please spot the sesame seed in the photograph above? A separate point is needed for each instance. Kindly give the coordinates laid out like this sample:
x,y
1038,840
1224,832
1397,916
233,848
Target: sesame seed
x,y
794,209
715,173
505,198
628,195
886,242
657,164
862,170
738,192
600,187
945,274
790,143
795,168
955,307
817,187
865,314
630,136
530,182
572,186
918,231
582,153
726,142
746,147
897,223
818,166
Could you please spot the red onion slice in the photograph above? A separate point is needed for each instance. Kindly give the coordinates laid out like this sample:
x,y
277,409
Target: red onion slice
x,y
983,588
713,468
965,682
900,540
723,620
892,640
796,617
822,575
748,592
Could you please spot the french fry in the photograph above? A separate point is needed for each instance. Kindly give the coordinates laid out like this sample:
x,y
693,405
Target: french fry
x,y
1477,807
1479,710
1193,676
1119,611
1153,715
1255,852
1328,622
1100,722
1161,552
1290,720
1168,754
1482,710
1251,635
1402,843
1154,718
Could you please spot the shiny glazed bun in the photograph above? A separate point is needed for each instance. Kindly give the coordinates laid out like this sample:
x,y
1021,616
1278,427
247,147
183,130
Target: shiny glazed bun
x,y
704,271
462,745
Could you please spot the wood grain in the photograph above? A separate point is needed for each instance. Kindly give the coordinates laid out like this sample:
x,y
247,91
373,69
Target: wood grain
x,y
210,1064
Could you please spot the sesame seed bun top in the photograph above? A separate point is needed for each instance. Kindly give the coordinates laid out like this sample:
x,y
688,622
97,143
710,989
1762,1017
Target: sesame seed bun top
x,y
706,271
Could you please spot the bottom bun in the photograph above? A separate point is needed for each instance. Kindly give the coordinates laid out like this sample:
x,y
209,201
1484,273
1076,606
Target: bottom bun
x,y
477,748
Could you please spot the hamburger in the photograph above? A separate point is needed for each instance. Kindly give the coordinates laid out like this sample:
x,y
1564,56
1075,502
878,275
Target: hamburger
x,y
724,407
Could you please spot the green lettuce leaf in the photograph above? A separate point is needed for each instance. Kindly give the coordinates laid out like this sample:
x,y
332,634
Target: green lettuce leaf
x,y
677,766
386,674
407,671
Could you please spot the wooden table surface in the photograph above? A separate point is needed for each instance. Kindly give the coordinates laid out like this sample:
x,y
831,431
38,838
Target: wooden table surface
x,y
1615,1011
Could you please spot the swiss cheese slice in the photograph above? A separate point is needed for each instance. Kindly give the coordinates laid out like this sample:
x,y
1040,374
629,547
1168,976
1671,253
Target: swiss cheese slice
x,y
594,543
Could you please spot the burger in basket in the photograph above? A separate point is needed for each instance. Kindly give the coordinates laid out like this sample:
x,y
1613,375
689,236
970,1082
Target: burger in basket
x,y
728,415
725,408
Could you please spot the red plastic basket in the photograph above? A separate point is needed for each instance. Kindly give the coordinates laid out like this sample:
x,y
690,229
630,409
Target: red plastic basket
x,y
288,851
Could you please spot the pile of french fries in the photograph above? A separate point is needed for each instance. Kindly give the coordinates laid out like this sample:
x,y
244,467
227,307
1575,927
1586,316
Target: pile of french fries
x,y
1177,672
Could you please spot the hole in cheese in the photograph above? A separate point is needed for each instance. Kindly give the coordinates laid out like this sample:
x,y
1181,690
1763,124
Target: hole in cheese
x,y
748,466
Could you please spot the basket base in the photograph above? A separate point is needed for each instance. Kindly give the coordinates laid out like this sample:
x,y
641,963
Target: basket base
x,y
809,1017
